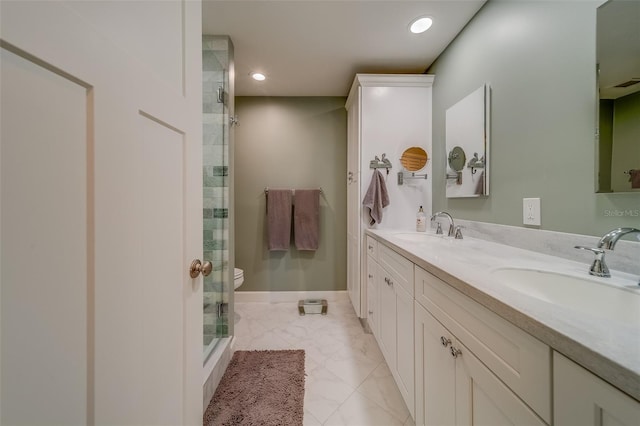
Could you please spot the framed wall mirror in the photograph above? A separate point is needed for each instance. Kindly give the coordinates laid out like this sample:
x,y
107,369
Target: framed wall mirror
x,y
618,105
467,144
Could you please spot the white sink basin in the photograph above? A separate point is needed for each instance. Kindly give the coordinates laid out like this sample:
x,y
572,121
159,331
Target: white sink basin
x,y
618,300
415,237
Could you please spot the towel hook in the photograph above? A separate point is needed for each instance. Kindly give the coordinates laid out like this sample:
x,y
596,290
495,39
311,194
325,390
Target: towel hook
x,y
378,163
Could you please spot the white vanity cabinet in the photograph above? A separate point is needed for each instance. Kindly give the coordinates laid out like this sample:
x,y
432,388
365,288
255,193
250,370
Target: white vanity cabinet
x,y
453,387
583,399
473,367
470,366
391,314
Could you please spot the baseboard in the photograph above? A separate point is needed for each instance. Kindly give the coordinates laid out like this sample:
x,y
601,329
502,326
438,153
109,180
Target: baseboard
x,y
287,296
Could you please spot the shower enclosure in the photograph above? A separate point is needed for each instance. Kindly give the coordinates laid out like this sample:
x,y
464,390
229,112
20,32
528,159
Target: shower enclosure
x,y
216,62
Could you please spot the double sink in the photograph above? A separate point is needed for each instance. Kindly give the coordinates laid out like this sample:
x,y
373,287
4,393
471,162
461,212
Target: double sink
x,y
616,298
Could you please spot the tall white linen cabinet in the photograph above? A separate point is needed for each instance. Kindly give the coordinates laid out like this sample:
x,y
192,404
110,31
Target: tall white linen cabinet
x,y
386,114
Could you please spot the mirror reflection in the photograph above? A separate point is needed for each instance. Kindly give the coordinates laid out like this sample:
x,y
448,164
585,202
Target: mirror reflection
x,y
457,158
467,143
618,126
414,159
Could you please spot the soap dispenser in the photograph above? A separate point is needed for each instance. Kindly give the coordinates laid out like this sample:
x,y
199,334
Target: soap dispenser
x,y
421,221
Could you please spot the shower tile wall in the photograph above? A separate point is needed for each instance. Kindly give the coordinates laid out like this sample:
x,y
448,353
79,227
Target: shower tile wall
x,y
215,62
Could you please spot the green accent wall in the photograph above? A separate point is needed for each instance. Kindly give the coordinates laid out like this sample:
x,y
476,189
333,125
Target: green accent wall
x,y
539,59
297,143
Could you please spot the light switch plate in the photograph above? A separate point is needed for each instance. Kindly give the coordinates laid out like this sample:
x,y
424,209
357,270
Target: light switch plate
x,y
531,211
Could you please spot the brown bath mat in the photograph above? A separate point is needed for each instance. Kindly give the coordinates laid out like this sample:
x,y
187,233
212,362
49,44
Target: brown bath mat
x,y
260,388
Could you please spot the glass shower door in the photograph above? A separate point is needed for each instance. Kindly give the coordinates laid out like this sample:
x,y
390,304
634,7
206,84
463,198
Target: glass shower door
x,y
215,62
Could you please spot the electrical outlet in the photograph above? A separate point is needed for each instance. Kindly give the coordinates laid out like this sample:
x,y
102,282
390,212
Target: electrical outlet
x,y
531,211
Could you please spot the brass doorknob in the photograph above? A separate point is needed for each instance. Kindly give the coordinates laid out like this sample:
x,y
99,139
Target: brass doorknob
x,y
198,267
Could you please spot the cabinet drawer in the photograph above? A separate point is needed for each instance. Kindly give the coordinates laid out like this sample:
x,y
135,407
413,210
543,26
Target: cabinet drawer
x,y
399,268
522,362
372,247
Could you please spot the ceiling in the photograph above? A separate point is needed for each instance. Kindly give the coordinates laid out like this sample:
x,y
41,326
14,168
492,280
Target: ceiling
x,y
315,47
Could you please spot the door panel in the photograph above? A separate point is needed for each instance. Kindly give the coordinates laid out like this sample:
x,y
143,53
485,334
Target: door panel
x,y
142,189
596,403
482,399
435,370
405,349
163,219
45,264
120,22
387,318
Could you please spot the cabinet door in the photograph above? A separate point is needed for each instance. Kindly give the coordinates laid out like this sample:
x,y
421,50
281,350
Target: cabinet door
x,y
372,296
387,318
405,349
435,371
482,399
582,399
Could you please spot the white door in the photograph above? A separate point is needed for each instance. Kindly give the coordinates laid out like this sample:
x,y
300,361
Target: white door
x,y
354,261
100,171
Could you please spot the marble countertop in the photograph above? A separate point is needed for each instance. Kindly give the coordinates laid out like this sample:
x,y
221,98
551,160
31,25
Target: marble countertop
x,y
608,348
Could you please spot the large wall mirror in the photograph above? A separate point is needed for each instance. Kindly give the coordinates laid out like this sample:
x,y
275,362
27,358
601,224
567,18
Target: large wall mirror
x,y
467,143
618,126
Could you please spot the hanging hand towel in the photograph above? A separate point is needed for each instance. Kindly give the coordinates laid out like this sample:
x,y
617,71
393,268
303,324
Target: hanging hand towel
x,y
634,178
376,197
279,219
306,219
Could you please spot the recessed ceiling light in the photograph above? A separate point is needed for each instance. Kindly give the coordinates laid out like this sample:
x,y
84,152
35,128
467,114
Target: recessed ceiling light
x,y
420,25
258,76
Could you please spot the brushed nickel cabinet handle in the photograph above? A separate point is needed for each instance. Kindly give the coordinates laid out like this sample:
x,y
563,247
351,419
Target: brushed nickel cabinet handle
x,y
455,352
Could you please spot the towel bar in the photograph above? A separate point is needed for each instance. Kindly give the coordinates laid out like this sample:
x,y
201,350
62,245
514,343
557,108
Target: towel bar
x,y
266,190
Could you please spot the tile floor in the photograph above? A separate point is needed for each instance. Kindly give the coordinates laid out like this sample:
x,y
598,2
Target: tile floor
x,y
348,381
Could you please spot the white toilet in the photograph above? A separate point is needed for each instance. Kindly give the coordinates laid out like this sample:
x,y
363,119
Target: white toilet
x,y
238,277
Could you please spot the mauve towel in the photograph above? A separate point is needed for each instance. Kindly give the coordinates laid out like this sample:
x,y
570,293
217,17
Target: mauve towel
x,y
376,197
306,219
634,178
279,219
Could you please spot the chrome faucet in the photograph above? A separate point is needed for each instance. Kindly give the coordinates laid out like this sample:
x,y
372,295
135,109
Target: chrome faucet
x,y
608,241
451,225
